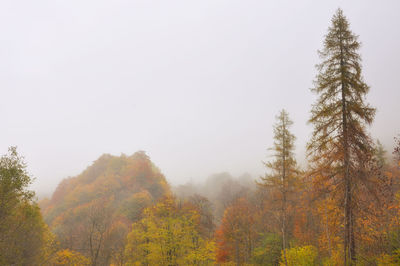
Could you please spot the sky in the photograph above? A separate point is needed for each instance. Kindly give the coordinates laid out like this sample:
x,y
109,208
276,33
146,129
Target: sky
x,y
195,84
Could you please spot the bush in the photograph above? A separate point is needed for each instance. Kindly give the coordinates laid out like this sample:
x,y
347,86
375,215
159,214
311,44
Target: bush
x,y
300,256
268,253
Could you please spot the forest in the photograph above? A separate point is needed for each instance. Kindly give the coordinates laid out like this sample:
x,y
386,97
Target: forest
x,y
343,208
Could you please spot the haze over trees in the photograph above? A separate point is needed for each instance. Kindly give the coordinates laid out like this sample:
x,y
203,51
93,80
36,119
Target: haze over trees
x,y
343,208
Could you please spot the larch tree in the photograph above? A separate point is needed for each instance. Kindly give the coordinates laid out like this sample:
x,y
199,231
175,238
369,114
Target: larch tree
x,y
340,147
283,176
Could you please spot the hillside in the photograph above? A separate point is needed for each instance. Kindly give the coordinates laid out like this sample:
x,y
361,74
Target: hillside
x,y
91,212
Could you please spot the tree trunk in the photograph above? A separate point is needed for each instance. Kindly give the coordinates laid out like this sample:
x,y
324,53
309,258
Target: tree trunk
x,y
349,246
284,188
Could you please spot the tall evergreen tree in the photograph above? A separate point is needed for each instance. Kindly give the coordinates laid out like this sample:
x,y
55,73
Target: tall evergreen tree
x,y
283,173
340,147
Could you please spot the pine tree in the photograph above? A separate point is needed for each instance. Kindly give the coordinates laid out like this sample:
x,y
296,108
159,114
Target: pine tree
x,y
340,146
283,172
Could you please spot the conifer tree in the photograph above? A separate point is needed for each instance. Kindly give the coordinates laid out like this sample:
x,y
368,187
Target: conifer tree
x,y
340,147
283,173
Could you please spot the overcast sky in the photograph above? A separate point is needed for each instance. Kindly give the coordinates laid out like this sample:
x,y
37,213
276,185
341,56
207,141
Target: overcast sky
x,y
195,84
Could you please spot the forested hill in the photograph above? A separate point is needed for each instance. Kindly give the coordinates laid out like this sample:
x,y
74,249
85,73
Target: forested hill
x,y
109,195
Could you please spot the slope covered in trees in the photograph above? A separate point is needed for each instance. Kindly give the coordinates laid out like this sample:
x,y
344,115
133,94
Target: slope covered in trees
x,y
92,212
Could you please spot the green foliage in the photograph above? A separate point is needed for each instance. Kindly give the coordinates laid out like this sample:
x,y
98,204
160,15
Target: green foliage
x,y
14,180
300,256
268,252
22,229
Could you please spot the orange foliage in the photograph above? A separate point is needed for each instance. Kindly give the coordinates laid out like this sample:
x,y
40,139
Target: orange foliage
x,y
237,233
98,206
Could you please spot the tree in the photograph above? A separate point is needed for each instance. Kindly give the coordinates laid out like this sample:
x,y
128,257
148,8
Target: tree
x,y
23,233
300,256
206,219
14,180
69,257
340,147
268,252
396,151
284,173
168,234
380,154
236,235
98,227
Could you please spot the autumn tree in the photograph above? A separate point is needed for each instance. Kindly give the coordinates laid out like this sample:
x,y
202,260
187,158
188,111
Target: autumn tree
x,y
14,181
70,258
283,175
168,234
304,256
236,235
97,229
391,225
23,233
206,219
268,251
340,147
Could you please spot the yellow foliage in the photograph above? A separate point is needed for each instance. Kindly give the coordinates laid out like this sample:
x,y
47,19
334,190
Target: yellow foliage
x,y
336,258
70,258
168,235
300,256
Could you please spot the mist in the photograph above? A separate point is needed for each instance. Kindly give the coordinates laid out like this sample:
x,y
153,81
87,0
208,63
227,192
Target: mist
x,y
195,84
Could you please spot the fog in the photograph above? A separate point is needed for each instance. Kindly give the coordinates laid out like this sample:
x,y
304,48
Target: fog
x,y
195,84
